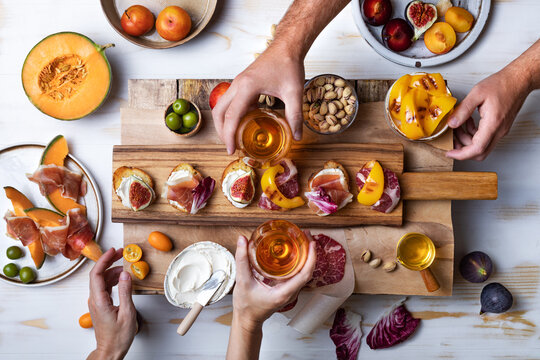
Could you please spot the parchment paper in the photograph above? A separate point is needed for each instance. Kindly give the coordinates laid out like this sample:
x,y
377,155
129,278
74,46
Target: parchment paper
x,y
315,306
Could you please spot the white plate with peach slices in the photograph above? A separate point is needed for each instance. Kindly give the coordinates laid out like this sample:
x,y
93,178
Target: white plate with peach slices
x,y
53,213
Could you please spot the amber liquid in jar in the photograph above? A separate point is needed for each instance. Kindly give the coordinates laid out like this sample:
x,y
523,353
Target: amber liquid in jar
x,y
416,251
263,137
279,248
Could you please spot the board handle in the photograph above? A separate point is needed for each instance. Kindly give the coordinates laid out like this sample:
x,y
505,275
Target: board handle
x,y
452,185
190,318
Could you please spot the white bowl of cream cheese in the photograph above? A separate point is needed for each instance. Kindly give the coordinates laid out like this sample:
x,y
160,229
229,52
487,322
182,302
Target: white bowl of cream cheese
x,y
192,267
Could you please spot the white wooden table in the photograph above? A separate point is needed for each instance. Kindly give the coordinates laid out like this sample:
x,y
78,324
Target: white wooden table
x,y
42,322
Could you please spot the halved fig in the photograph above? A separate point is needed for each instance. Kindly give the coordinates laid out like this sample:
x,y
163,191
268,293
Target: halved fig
x,y
242,190
421,16
140,196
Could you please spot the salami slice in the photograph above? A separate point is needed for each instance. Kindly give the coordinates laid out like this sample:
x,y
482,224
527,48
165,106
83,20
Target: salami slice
x,y
330,265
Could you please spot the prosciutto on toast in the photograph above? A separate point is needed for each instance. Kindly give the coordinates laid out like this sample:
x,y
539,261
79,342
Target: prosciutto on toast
x,y
186,189
287,184
329,189
53,177
391,193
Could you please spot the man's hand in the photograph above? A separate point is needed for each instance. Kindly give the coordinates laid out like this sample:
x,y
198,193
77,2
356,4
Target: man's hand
x,y
274,73
279,71
256,302
114,326
498,99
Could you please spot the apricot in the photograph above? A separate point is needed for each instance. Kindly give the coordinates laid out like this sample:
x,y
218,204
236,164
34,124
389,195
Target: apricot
x,y
459,18
440,38
85,321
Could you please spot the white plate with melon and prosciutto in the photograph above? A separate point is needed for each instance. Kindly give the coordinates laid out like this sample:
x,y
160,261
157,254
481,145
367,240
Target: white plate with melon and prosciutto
x,y
52,212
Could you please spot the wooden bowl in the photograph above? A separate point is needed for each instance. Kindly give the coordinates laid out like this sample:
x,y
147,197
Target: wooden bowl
x,y
193,131
200,11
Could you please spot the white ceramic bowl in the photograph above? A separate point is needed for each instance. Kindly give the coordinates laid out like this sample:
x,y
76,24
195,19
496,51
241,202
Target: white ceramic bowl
x,y
227,285
441,128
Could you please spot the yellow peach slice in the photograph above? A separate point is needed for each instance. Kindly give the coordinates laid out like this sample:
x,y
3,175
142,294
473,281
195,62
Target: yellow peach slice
x,y
373,188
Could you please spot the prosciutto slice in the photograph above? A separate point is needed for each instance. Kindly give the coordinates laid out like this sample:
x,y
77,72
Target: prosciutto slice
x,y
53,177
182,192
287,184
328,185
22,228
70,238
391,193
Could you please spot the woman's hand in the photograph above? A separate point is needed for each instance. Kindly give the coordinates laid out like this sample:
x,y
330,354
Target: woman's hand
x,y
273,73
114,326
256,302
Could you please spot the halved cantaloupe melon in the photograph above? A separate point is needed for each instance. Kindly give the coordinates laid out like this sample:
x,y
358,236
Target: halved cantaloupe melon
x,y
67,76
55,154
21,203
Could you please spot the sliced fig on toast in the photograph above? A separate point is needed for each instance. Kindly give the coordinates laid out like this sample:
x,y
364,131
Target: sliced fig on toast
x,y
243,190
140,196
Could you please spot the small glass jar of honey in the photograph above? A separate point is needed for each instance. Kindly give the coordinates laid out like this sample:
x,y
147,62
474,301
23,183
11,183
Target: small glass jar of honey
x,y
264,137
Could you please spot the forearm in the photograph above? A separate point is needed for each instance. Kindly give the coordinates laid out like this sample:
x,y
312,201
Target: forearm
x,y
303,22
244,340
100,355
526,68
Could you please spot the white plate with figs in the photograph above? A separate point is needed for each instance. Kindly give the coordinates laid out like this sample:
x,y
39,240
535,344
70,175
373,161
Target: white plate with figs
x,y
417,54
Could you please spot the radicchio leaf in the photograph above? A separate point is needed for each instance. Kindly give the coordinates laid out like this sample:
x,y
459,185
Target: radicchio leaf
x,y
392,328
346,333
322,200
202,193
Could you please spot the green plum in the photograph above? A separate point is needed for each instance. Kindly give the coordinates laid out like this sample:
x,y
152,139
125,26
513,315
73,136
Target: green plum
x,y
173,121
181,106
190,119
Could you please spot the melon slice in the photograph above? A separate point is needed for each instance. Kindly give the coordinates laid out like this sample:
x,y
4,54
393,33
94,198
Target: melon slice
x,y
67,76
55,154
44,217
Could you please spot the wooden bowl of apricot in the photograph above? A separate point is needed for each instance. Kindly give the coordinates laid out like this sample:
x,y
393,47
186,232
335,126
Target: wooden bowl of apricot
x,y
152,25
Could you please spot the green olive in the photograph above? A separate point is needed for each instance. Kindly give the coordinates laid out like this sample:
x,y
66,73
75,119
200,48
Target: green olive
x,y
11,270
14,252
181,106
27,275
190,119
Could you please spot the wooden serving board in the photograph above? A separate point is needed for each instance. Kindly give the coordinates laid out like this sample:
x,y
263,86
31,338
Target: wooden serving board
x,y
211,160
142,125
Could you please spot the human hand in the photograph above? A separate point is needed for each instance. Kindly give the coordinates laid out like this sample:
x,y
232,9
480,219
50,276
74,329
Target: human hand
x,y
273,73
256,302
114,326
498,99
